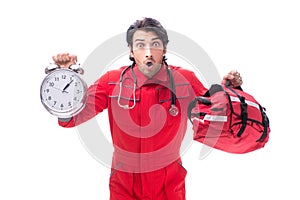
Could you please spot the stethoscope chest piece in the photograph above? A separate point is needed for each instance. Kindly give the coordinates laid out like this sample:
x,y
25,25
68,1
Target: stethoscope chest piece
x,y
173,110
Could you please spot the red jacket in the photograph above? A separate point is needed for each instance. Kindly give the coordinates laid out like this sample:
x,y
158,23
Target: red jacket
x,y
146,138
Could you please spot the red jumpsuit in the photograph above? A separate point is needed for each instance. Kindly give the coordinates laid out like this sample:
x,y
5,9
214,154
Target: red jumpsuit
x,y
146,163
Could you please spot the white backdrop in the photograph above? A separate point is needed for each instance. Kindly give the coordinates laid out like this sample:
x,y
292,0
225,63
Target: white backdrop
x,y
260,38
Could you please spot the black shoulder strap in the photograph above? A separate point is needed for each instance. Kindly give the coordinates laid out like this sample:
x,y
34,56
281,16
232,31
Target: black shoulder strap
x,y
244,112
265,122
244,116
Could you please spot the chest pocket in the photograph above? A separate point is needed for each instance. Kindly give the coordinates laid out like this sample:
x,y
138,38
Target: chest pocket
x,y
126,94
182,99
182,92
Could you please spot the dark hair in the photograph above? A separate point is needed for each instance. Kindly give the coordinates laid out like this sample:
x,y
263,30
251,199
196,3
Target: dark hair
x,y
148,25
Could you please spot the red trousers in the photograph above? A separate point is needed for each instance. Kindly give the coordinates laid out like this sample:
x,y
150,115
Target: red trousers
x,y
163,184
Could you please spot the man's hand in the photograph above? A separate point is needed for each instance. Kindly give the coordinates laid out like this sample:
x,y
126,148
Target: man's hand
x,y
64,60
234,77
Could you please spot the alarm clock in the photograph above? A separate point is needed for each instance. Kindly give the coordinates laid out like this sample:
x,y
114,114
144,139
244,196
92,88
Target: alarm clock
x,y
63,91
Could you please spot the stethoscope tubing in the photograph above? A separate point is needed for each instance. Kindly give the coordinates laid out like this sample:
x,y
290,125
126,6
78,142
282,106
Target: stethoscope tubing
x,y
173,109
134,87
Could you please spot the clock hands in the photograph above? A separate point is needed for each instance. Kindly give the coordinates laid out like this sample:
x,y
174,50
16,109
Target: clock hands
x,y
58,89
64,90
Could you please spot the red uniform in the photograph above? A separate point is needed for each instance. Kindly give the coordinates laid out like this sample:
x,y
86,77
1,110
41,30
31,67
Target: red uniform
x,y
146,163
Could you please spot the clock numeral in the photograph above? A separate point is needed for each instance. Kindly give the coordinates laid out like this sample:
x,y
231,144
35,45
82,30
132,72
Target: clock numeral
x,y
56,79
51,84
70,104
47,90
63,76
54,102
75,99
49,98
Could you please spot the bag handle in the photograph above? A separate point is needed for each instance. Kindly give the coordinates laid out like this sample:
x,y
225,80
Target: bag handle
x,y
192,104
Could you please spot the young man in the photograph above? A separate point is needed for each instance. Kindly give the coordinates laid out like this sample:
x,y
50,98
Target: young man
x,y
147,105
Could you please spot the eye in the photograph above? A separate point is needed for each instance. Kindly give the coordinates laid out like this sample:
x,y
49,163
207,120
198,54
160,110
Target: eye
x,y
156,44
140,45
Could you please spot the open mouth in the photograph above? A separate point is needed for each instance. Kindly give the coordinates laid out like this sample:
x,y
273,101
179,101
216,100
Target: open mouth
x,y
149,64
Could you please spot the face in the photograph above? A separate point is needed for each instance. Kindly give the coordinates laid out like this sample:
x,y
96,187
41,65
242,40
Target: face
x,y
148,51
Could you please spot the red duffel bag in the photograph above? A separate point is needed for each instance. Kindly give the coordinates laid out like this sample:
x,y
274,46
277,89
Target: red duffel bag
x,y
229,119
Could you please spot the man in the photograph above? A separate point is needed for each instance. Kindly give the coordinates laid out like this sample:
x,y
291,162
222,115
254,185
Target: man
x,y
147,105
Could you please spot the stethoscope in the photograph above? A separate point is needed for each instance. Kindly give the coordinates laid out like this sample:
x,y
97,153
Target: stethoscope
x,y
173,110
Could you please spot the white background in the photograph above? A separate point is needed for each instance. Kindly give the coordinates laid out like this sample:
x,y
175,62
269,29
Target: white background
x,y
260,38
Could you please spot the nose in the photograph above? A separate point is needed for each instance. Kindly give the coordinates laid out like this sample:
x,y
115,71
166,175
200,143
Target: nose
x,y
148,53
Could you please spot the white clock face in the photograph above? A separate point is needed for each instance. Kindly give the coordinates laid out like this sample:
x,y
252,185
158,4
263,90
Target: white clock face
x,y
63,93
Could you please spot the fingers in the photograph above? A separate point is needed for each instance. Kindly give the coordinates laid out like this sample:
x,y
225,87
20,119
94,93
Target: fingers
x,y
64,57
64,60
234,77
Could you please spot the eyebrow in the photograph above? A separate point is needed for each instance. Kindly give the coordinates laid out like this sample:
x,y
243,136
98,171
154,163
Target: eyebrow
x,y
144,39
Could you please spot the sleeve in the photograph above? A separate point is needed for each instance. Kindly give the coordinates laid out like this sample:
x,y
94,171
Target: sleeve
x,y
197,86
97,101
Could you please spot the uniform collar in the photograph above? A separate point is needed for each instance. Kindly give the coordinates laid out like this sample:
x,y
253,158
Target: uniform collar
x,y
160,77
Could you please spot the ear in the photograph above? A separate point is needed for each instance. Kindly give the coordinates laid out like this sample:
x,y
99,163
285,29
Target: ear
x,y
165,51
131,54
